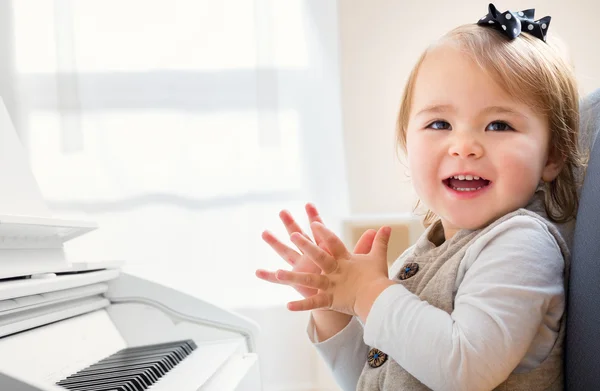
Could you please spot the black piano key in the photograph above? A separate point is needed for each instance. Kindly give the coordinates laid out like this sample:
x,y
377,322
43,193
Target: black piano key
x,y
153,346
132,382
164,360
147,375
180,348
153,367
109,388
130,369
177,350
158,346
170,352
117,374
153,370
144,378
140,354
106,387
189,346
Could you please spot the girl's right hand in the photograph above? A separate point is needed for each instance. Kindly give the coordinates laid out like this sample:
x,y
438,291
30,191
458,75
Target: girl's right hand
x,y
298,261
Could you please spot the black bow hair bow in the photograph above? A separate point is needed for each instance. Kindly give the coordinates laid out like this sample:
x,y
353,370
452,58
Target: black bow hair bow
x,y
512,24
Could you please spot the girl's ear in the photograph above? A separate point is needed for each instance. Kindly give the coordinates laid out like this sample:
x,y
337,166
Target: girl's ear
x,y
553,166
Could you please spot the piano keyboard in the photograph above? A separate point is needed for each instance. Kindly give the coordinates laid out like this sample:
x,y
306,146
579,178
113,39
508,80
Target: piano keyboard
x,y
131,369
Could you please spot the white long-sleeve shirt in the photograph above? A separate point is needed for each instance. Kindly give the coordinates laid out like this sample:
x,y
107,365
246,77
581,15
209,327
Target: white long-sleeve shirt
x,y
508,305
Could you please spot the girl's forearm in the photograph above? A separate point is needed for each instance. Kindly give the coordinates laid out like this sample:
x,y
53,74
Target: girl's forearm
x,y
328,323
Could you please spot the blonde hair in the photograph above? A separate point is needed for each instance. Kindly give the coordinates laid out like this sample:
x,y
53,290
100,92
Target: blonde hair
x,y
532,71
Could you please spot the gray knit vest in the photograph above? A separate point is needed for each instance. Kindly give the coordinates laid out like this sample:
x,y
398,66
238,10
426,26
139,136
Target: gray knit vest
x,y
435,281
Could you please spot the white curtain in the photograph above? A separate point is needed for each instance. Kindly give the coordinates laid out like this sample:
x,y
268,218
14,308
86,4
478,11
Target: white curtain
x,y
183,127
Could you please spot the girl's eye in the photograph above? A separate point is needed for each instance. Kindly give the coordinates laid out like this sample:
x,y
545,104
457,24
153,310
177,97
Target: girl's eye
x,y
499,126
439,125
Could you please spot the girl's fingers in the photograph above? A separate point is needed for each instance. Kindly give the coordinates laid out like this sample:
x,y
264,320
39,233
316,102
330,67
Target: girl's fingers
x,y
309,280
288,254
320,257
380,243
320,300
333,243
313,213
290,224
313,216
268,276
364,244
271,277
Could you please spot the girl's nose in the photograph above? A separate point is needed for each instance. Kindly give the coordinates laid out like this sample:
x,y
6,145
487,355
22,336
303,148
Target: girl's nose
x,y
465,147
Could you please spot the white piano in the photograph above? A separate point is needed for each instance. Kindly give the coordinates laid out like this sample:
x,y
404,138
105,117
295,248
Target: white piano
x,y
89,326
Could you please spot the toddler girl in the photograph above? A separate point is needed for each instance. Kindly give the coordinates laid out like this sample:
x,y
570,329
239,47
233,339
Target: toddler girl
x,y
489,124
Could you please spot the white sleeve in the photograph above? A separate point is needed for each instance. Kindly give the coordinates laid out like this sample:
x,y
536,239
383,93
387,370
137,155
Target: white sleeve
x,y
345,353
516,272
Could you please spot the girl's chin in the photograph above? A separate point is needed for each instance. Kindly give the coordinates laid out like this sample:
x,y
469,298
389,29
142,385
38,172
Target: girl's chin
x,y
472,223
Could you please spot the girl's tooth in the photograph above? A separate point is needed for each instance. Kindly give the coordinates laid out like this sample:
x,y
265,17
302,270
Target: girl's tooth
x,y
467,188
467,177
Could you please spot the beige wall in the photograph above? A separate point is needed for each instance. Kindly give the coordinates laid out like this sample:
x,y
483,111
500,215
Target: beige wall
x,y
381,40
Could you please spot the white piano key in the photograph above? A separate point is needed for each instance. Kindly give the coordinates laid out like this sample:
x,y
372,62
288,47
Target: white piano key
x,y
240,374
196,369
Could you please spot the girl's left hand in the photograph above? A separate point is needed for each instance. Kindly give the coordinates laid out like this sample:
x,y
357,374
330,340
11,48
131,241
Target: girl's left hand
x,y
346,279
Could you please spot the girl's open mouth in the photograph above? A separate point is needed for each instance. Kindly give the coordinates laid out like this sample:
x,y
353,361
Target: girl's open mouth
x,y
466,183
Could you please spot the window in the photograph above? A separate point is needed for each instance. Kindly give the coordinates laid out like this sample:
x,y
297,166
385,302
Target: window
x,y
182,128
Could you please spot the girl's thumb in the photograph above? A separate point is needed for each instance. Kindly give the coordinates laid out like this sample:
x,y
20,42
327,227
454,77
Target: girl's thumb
x,y
382,238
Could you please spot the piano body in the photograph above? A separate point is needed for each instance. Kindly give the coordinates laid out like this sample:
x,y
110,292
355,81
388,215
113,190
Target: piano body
x,y
90,326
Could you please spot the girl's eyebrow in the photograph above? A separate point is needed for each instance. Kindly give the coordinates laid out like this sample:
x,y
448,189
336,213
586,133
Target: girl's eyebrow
x,y
488,110
436,109
502,110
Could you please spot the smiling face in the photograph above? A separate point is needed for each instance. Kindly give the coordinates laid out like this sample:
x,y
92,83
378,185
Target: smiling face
x,y
475,154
